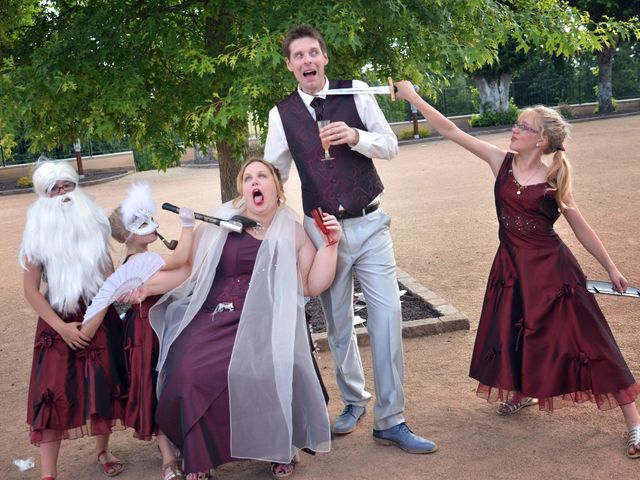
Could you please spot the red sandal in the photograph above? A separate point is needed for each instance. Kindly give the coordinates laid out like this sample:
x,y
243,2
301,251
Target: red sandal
x,y
198,476
111,468
282,470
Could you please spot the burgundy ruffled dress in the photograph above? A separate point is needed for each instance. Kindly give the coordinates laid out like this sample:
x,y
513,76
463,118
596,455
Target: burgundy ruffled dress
x,y
73,393
541,333
141,357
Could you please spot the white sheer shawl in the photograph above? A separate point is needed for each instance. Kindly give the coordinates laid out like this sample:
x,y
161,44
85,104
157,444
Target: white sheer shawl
x,y
276,403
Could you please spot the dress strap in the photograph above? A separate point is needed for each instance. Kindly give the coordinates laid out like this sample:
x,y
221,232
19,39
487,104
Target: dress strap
x,y
506,164
505,167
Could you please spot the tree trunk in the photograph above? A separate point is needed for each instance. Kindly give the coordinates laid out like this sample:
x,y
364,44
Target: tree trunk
x,y
605,67
203,155
229,168
231,139
494,92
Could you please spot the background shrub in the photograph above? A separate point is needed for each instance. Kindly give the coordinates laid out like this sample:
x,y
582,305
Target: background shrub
x,y
24,182
407,134
565,110
490,118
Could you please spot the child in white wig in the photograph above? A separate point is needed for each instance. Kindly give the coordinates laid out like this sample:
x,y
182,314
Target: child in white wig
x,y
133,224
76,385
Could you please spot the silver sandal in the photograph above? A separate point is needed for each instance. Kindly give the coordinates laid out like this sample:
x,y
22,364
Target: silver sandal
x,y
633,440
509,408
172,471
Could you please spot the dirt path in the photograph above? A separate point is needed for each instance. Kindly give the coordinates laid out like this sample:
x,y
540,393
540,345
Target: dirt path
x,y
444,229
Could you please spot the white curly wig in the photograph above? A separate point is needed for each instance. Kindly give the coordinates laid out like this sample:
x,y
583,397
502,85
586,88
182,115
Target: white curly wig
x,y
49,172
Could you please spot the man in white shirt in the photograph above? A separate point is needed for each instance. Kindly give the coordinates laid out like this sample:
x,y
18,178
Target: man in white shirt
x,y
348,187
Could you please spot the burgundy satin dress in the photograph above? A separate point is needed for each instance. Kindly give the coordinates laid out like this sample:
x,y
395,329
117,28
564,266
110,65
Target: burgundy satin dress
x,y
541,333
73,393
141,357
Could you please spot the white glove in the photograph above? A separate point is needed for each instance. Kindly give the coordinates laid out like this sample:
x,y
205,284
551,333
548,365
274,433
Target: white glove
x,y
187,217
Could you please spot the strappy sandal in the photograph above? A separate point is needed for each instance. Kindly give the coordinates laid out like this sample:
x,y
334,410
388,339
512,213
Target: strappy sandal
x,y
198,476
110,468
172,471
509,408
633,441
282,470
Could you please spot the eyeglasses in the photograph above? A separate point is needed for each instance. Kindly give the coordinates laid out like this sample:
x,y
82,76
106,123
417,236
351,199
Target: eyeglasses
x,y
64,188
525,127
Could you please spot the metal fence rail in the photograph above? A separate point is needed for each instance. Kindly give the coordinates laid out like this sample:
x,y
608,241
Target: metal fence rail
x,y
452,101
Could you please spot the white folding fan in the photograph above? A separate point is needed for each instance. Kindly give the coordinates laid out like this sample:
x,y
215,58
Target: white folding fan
x,y
127,276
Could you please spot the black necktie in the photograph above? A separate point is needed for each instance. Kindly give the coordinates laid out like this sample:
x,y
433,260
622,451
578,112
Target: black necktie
x,y
318,105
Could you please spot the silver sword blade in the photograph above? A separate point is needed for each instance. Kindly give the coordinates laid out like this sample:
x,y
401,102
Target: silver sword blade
x,y
382,90
598,286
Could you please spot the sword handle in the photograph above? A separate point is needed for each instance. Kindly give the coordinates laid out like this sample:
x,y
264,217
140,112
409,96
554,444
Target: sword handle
x,y
205,218
392,89
232,224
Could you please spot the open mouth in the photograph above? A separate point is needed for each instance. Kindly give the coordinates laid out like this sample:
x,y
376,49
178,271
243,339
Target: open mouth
x,y
258,198
309,73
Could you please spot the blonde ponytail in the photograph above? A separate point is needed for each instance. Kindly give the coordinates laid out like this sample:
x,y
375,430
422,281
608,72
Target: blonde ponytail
x,y
559,177
118,231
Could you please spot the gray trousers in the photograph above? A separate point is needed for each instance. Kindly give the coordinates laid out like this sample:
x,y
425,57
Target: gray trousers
x,y
366,249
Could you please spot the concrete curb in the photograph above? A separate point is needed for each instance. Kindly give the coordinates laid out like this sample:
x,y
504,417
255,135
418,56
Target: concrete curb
x,y
479,131
83,183
451,320
200,165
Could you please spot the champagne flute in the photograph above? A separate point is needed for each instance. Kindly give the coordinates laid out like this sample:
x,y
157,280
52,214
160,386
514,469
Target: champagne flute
x,y
316,213
325,142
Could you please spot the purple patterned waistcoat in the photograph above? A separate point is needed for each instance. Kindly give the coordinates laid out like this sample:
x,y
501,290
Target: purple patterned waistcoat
x,y
350,179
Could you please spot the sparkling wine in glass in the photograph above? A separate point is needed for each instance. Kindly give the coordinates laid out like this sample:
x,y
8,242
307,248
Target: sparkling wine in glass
x,y
325,142
316,213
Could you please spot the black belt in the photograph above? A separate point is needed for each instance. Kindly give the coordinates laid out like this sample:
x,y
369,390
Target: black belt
x,y
343,214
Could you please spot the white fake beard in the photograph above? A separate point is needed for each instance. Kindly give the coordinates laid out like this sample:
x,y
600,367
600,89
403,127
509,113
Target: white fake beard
x,y
69,240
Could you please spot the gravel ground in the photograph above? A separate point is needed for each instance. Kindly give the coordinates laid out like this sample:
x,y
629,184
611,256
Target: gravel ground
x,y
445,236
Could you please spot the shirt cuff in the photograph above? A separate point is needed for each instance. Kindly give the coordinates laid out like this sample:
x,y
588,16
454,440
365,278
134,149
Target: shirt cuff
x,y
364,144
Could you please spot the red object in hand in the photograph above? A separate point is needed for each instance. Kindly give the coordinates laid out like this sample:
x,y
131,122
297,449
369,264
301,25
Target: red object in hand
x,y
316,213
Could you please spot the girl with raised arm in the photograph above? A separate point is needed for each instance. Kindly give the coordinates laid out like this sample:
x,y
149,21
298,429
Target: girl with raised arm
x,y
133,225
541,337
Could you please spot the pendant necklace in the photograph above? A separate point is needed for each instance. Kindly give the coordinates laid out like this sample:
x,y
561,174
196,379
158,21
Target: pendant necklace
x,y
520,187
257,230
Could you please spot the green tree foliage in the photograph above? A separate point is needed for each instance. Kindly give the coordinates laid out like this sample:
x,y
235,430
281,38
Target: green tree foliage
x,y
169,73
183,72
613,22
554,28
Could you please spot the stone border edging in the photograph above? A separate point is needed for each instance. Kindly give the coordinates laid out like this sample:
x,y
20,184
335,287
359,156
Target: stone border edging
x,y
451,320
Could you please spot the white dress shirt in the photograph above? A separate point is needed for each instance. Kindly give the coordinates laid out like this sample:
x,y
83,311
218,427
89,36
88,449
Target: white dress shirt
x,y
378,142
